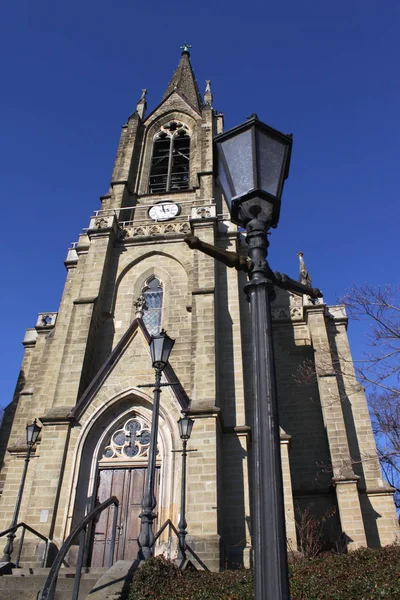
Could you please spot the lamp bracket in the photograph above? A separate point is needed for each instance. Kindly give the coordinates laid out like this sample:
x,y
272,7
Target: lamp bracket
x,y
151,385
241,263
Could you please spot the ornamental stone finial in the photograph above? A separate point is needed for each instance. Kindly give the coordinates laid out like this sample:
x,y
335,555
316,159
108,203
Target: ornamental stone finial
x,y
304,277
142,104
208,94
140,305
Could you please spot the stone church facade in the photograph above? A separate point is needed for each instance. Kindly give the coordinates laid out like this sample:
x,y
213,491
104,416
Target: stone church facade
x,y
130,273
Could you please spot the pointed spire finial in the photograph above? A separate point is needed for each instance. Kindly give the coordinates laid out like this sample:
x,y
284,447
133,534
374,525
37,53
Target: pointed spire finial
x,y
185,48
142,104
208,94
304,278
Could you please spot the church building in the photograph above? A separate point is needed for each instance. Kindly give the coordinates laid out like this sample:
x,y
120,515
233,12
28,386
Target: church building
x,y
86,367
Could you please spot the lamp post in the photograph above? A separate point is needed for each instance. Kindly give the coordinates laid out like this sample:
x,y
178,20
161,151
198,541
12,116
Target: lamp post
x,y
160,349
32,434
185,425
252,164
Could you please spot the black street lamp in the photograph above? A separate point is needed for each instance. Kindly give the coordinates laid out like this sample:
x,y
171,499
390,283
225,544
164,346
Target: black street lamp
x,y
160,349
252,165
253,162
32,434
185,425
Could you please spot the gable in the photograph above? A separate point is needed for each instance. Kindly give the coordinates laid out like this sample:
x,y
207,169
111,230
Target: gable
x,y
129,365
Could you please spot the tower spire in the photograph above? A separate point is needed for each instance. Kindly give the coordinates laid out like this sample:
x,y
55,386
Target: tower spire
x,y
184,81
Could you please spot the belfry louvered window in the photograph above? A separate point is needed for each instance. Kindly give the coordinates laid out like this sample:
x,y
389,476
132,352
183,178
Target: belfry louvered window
x,y
152,311
170,161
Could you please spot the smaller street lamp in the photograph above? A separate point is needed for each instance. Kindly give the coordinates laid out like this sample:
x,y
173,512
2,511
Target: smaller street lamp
x,y
160,350
32,435
185,425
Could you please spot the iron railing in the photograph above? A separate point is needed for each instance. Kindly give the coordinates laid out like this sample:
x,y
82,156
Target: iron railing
x,y
21,541
187,548
80,530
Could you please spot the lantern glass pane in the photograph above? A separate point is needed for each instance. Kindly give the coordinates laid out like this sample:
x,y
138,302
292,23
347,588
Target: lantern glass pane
x,y
156,348
167,347
32,434
238,152
271,157
223,183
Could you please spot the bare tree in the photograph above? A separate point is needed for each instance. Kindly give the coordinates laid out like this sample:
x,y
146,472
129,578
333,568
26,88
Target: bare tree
x,y
379,369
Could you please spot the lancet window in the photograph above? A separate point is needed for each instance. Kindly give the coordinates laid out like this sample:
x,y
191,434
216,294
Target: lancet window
x,y
170,161
153,294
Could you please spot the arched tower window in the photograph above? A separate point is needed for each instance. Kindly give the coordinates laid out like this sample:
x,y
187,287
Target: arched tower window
x,y
170,161
152,311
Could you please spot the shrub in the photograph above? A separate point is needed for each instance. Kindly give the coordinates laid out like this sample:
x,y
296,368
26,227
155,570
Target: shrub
x,y
365,574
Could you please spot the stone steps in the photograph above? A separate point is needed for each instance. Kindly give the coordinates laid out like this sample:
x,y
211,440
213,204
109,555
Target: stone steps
x,y
26,583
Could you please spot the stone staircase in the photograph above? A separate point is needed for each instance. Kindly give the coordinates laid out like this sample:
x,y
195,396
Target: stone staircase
x,y
25,584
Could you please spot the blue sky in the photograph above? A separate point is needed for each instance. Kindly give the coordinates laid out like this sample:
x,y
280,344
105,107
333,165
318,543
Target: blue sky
x,y
72,73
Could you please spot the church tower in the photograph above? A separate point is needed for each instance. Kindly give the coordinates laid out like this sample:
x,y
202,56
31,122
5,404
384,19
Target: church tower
x,y
85,367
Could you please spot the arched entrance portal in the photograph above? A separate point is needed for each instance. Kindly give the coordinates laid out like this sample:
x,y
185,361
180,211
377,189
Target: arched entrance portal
x,y
121,472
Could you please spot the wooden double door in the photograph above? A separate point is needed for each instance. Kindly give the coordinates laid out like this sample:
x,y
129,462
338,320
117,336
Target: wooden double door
x,y
127,485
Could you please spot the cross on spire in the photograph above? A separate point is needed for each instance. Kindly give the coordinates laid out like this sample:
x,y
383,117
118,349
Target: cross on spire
x,y
185,47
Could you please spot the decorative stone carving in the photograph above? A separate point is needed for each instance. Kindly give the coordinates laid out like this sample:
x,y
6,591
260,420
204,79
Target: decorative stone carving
x,y
101,224
287,306
140,305
46,320
286,313
130,231
203,212
185,228
154,230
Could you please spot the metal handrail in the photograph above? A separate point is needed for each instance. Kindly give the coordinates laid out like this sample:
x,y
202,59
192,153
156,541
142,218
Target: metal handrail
x,y
26,527
169,523
51,581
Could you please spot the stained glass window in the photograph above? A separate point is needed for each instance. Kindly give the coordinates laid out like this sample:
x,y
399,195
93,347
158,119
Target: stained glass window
x,y
153,295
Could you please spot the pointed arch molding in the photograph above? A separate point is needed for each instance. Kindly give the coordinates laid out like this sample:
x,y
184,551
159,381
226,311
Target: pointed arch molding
x,y
153,125
186,265
107,367
96,426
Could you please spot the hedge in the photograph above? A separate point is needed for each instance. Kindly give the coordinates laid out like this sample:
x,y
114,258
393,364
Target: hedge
x,y
365,574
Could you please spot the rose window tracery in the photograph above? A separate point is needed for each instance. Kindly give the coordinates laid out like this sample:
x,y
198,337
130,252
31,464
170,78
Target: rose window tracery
x,y
129,442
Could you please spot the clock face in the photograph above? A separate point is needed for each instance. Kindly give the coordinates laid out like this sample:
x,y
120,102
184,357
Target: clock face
x,y
164,211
